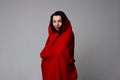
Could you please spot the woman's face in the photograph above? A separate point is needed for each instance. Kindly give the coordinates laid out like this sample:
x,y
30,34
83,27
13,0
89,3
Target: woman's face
x,y
57,22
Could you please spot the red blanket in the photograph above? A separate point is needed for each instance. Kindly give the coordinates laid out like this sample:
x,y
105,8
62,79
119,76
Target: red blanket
x,y
58,55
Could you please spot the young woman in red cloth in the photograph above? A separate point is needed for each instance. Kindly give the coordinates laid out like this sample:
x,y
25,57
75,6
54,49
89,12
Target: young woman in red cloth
x,y
58,52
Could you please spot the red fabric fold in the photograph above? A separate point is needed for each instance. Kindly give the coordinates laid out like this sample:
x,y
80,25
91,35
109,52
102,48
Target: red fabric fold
x,y
58,55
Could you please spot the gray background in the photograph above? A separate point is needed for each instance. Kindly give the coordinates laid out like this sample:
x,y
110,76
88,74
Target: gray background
x,y
23,33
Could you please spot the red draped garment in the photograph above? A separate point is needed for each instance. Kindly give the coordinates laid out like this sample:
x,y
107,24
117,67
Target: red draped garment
x,y
58,55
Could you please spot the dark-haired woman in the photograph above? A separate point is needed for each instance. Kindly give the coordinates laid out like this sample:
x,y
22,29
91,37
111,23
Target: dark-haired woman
x,y
58,53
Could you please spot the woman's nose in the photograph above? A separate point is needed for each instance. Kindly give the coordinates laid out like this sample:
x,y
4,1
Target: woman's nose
x,y
57,23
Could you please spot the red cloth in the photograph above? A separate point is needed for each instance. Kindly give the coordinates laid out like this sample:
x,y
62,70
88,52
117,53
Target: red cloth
x,y
58,55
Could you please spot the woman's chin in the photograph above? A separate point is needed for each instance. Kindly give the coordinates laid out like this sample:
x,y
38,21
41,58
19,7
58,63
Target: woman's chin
x,y
57,29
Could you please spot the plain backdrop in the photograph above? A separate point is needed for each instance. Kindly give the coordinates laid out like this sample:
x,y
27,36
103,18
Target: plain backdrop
x,y
23,33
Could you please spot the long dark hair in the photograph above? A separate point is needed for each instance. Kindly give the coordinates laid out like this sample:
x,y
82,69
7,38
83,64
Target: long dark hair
x,y
63,16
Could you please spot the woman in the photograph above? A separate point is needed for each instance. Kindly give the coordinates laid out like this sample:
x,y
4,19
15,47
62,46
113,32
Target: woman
x,y
58,53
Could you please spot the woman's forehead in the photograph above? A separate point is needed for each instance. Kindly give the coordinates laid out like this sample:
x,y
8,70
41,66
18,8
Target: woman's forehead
x,y
57,17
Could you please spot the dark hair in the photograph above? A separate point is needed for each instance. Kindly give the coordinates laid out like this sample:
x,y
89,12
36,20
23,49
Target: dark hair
x,y
60,13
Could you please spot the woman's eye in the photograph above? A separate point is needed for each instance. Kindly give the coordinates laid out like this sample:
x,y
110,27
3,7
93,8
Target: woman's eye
x,y
54,21
59,21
